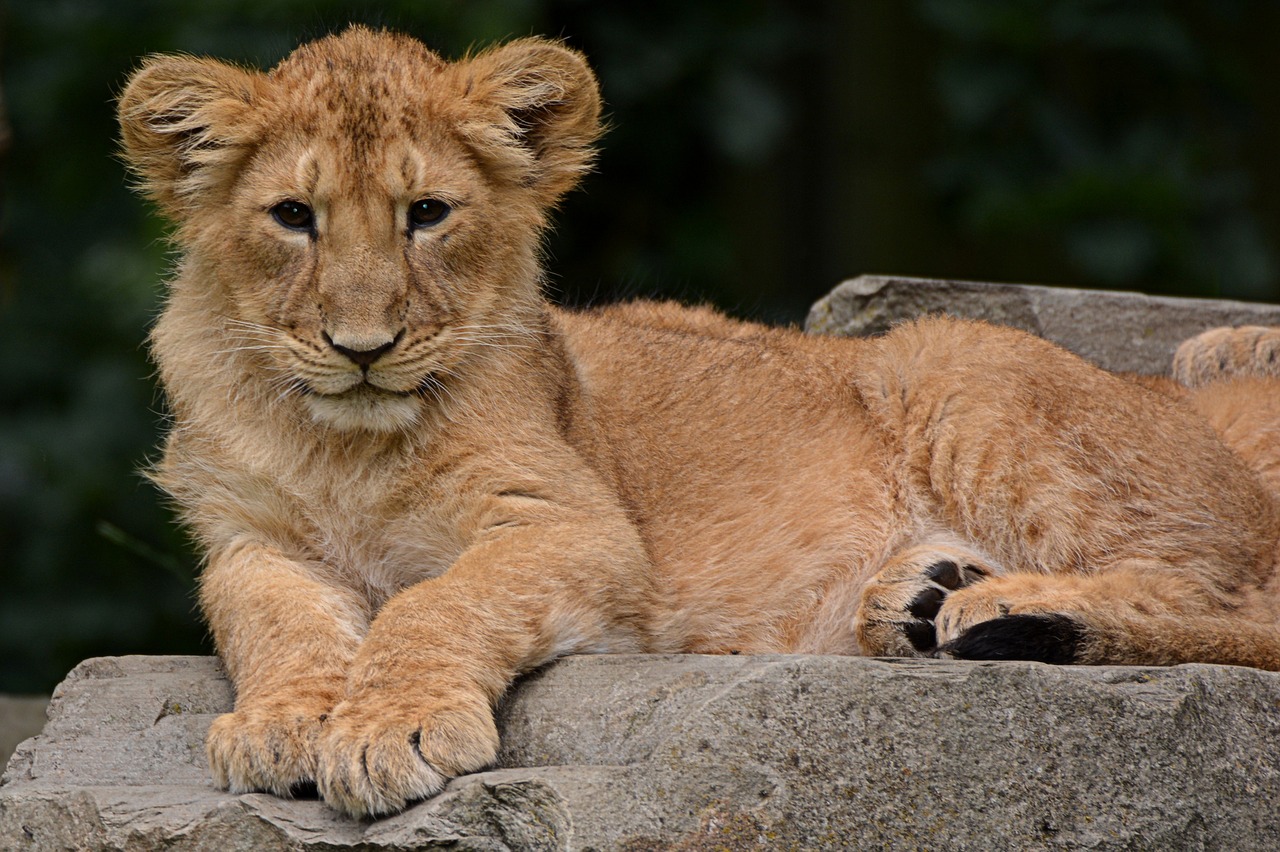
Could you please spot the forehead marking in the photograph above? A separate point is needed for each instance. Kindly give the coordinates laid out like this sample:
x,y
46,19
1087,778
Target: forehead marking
x,y
310,173
409,170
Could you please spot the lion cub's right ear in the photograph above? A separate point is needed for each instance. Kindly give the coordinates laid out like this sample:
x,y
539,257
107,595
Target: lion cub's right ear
x,y
186,124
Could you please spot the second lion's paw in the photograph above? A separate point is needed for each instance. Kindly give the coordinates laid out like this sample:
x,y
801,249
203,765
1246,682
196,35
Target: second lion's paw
x,y
268,746
1224,353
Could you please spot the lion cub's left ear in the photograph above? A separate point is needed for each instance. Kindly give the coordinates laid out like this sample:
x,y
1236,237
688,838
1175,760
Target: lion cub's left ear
x,y
540,114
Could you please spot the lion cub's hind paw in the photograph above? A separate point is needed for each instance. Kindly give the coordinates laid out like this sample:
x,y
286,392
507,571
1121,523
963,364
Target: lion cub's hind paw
x,y
1044,638
943,577
896,616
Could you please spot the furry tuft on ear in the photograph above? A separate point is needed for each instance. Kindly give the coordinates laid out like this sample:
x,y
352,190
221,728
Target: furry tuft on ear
x,y
184,123
548,114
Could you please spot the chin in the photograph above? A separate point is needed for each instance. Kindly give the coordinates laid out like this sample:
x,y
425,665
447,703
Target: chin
x,y
365,409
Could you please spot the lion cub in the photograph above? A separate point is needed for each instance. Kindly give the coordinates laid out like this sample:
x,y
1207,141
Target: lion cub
x,y
415,479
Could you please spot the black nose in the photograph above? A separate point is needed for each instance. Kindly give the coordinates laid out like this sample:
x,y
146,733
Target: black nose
x,y
364,358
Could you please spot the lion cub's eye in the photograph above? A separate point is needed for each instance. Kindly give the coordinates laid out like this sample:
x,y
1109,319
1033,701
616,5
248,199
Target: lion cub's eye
x,y
294,215
427,212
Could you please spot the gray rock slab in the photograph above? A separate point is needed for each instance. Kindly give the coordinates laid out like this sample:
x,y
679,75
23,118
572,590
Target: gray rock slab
x,y
694,752
1119,331
21,717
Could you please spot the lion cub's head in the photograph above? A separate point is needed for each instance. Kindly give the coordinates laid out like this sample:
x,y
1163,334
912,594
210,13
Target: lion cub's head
x,y
361,219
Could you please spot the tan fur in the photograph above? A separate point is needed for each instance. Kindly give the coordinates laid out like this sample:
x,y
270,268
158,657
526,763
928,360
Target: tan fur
x,y
1224,353
389,545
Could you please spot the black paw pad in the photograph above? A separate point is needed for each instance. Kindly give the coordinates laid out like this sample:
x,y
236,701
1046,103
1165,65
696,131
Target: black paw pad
x,y
927,603
947,576
1053,639
921,635
951,576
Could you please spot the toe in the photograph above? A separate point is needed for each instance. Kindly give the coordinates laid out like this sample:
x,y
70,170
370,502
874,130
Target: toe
x,y
925,605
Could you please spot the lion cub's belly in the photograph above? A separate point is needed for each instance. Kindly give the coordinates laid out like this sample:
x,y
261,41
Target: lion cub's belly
x,y
770,566
758,483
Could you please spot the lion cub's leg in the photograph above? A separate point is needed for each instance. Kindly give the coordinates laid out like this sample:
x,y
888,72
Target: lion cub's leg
x,y
418,702
1224,353
895,616
1115,513
1133,613
287,640
1108,617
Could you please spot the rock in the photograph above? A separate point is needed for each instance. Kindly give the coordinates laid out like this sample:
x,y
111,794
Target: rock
x,y
21,716
1119,331
694,752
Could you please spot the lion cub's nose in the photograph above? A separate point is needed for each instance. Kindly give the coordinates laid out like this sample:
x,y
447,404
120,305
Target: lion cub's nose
x,y
363,352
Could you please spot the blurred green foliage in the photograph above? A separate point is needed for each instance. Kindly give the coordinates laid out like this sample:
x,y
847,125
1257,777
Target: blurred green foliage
x,y
1108,135
760,151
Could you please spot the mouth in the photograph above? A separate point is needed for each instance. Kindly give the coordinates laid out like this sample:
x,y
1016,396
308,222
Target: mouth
x,y
364,407
363,389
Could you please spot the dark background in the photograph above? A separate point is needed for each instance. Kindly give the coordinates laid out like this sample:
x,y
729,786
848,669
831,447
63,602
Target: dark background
x,y
760,153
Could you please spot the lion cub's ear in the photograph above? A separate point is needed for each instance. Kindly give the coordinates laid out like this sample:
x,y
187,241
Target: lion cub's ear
x,y
185,124
540,114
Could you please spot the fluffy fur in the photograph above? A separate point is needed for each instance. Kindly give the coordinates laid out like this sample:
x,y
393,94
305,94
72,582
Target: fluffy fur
x,y
415,479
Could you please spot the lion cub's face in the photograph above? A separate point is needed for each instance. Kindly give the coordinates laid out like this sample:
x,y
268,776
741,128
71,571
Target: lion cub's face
x,y
367,259
366,215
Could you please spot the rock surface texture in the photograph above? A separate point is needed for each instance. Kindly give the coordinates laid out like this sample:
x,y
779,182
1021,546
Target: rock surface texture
x,y
701,753
1118,331
694,752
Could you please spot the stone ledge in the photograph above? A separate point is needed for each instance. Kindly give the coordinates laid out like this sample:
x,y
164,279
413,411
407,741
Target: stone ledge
x,y
1119,331
695,752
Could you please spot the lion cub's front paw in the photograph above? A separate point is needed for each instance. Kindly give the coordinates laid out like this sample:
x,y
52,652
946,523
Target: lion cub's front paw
x,y
896,615
1223,353
381,751
267,747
